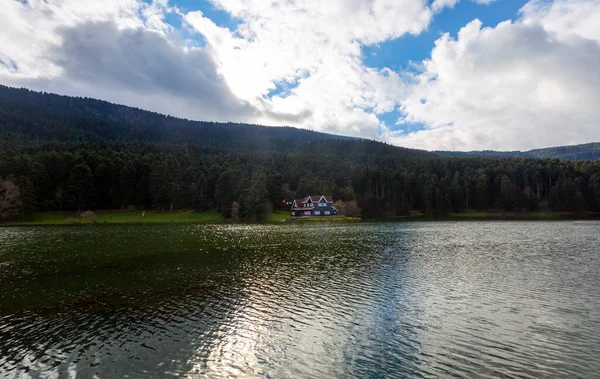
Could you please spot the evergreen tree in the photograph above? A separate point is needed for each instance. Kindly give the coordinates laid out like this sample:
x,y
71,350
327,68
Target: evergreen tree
x,y
457,194
79,188
159,187
256,198
595,191
226,192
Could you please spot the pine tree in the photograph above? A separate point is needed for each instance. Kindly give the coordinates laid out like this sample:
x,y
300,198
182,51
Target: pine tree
x,y
79,188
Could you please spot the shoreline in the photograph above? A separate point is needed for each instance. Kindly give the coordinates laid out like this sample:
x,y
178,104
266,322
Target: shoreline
x,y
191,217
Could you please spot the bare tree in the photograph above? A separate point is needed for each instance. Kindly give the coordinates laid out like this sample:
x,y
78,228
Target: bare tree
x,y
351,209
89,216
348,208
59,197
339,205
10,199
235,210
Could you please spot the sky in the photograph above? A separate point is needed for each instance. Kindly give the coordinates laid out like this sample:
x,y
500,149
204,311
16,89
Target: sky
x,y
426,74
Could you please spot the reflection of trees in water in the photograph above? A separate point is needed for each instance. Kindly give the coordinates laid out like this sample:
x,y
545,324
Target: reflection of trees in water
x,y
158,333
348,300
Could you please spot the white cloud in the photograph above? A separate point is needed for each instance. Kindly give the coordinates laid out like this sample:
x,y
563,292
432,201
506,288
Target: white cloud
x,y
519,85
311,47
113,50
565,18
29,29
314,48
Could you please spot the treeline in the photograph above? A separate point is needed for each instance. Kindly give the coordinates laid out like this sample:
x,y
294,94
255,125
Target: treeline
x,y
66,153
119,175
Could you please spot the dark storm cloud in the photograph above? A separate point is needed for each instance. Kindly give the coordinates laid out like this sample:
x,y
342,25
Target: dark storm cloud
x,y
140,67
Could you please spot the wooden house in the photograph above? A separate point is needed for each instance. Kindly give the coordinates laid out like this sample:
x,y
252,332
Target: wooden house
x,y
314,205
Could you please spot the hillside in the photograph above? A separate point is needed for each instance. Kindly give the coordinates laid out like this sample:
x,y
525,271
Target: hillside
x,y
33,117
61,153
588,151
29,116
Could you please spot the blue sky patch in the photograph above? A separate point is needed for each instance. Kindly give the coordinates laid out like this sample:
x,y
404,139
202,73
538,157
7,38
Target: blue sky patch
x,y
10,64
218,16
389,118
398,53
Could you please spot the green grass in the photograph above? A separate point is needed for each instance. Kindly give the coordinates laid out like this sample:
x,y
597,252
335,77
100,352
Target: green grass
x,y
334,218
278,216
120,217
150,217
513,216
542,215
191,217
539,215
281,216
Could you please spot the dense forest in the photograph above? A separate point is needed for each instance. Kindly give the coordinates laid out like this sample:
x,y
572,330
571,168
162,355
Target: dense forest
x,y
66,153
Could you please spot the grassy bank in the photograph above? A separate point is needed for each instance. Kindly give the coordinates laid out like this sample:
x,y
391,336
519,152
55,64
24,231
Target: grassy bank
x,y
333,218
191,217
490,216
148,217
281,216
278,216
119,217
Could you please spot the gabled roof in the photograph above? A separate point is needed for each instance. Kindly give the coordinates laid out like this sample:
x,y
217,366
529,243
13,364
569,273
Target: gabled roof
x,y
314,199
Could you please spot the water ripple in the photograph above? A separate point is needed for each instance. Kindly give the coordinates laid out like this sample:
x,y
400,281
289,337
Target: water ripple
x,y
424,300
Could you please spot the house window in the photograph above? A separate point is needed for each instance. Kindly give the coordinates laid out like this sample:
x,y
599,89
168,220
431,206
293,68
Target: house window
x,y
317,213
327,213
293,213
307,213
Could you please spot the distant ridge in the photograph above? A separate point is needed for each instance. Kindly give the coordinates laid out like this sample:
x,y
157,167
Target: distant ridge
x,y
28,116
151,126
588,151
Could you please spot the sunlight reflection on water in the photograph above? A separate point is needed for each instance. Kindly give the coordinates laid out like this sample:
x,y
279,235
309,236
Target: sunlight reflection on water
x,y
485,299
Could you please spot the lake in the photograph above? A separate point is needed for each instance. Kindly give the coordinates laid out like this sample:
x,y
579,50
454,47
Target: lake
x,y
314,300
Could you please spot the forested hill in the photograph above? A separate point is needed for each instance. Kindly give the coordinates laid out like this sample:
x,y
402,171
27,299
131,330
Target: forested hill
x,y
65,153
588,151
29,116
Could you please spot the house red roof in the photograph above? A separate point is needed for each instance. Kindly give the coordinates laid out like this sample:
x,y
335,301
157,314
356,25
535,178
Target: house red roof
x,y
314,199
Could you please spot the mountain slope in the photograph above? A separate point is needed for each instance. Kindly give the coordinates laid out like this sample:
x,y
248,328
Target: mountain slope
x,y
27,116
588,151
66,153
34,117
86,118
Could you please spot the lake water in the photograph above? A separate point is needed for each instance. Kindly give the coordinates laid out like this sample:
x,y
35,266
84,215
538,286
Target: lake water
x,y
365,300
